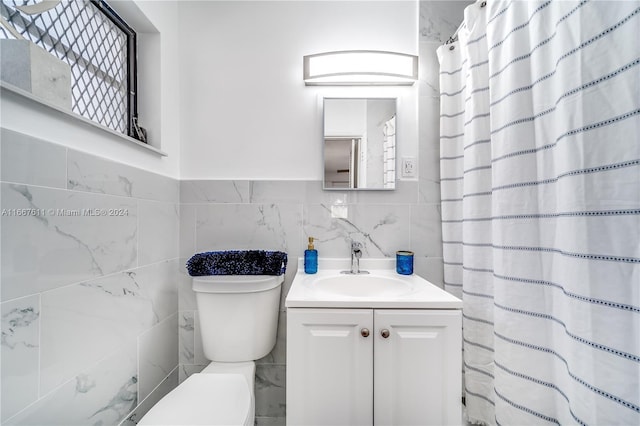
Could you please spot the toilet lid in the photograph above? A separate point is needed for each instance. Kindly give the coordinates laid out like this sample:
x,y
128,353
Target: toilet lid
x,y
203,399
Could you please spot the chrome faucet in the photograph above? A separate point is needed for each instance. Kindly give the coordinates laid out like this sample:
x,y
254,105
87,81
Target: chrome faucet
x,y
356,254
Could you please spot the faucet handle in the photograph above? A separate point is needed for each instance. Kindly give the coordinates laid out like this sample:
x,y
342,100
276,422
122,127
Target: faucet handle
x,y
356,245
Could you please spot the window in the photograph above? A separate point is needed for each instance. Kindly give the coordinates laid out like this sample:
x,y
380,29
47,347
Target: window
x,y
100,49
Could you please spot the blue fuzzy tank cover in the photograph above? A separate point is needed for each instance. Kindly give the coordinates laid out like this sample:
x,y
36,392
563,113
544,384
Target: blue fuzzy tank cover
x,y
237,262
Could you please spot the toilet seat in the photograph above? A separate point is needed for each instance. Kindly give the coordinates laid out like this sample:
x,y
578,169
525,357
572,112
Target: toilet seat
x,y
205,399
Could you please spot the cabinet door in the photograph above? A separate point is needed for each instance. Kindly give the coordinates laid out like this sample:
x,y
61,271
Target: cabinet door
x,y
329,367
417,367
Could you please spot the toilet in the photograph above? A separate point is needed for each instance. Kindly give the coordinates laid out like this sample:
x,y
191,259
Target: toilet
x,y
238,323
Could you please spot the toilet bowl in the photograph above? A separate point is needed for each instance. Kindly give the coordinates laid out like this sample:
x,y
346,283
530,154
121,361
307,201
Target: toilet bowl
x,y
238,323
222,394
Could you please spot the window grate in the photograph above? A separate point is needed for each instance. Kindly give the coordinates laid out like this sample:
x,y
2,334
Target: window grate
x,y
98,46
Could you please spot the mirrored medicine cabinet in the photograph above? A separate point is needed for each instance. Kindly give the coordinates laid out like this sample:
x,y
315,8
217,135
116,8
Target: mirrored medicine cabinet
x,y
359,143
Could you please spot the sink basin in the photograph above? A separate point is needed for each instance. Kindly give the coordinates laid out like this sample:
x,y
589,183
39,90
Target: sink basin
x,y
381,288
368,286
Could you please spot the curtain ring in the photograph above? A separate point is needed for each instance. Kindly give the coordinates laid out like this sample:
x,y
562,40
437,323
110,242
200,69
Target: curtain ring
x,y
451,47
483,4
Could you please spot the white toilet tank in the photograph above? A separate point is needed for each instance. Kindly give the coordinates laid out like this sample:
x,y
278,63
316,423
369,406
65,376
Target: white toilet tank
x,y
238,315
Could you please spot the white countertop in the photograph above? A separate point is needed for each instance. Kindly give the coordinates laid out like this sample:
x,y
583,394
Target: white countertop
x,y
421,294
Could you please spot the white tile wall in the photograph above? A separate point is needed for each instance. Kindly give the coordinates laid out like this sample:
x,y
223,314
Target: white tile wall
x,y
32,161
440,19
248,226
102,394
157,354
79,292
167,385
20,353
186,336
94,174
382,229
220,191
158,231
49,248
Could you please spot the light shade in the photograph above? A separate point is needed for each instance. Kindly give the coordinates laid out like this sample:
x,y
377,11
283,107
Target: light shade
x,y
360,68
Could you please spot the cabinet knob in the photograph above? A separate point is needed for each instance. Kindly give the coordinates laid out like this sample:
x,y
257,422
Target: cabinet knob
x,y
364,332
384,333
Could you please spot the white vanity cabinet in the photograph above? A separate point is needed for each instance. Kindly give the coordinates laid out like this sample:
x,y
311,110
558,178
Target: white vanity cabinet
x,y
329,367
373,367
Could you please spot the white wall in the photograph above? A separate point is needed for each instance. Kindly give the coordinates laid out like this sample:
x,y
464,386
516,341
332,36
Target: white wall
x,y
158,98
245,111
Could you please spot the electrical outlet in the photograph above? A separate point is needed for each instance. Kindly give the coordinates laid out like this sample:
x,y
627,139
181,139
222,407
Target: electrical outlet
x,y
409,167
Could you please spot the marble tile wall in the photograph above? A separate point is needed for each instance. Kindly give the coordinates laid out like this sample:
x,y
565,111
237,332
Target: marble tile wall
x,y
439,19
89,285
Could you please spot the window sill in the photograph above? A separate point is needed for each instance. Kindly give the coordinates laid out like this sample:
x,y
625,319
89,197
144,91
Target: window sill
x,y
76,117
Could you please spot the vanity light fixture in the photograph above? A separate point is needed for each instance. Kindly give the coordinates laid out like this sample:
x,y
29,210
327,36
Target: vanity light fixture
x,y
360,68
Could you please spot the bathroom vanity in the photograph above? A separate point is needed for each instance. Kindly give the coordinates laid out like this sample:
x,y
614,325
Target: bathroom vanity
x,y
372,349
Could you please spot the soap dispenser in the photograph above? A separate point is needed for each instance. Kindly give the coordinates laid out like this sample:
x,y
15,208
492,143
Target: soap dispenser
x,y
310,258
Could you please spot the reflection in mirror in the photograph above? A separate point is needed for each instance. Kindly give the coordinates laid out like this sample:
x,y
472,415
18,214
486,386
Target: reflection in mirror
x,y
359,143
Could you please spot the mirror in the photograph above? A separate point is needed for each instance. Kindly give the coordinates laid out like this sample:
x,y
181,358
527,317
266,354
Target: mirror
x,y
359,143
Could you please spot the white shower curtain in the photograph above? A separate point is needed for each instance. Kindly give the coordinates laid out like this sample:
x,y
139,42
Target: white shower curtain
x,y
540,178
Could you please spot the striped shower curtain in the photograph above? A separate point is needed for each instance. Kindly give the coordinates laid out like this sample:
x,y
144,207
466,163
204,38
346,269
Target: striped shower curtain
x,y
540,178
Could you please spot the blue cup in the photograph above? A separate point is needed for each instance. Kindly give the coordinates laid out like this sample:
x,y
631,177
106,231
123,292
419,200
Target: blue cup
x,y
404,262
